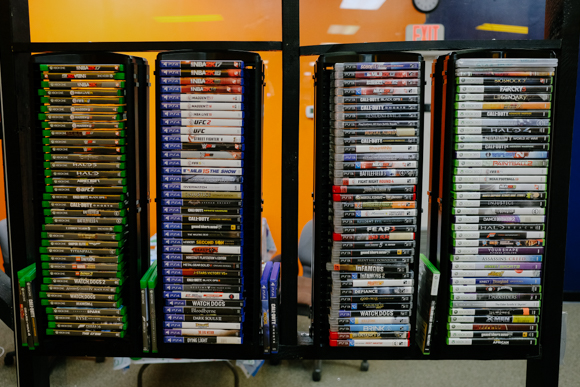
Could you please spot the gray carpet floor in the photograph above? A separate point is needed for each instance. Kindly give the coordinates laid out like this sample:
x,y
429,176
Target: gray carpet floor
x,y
73,372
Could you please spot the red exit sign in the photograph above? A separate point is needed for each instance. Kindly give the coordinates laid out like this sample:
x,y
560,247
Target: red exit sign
x,y
417,32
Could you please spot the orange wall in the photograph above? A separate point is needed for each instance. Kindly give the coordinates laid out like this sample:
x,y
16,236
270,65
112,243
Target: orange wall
x,y
65,21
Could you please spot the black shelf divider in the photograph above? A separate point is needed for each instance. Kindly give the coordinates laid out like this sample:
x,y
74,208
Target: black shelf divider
x,y
562,31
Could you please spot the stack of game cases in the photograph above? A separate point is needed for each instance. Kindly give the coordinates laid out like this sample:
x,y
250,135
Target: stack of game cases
x,y
375,142
202,121
85,198
502,128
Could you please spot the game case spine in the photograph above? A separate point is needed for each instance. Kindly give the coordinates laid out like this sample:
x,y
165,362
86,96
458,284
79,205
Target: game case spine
x,y
274,306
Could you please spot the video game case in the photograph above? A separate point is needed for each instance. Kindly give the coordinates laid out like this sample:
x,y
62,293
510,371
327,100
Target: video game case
x,y
503,105
342,230
488,327
376,173
499,187
336,313
372,291
77,92
202,332
202,340
372,252
210,311
204,218
495,304
492,341
83,273
79,250
82,303
80,227
72,280
233,89
202,234
121,311
80,289
201,325
206,303
395,236
373,124
495,258
201,64
81,109
202,257
202,242
210,179
501,131
492,334
374,221
342,189
372,328
502,155
368,335
361,90
498,250
274,304
501,138
82,236
203,288
339,214
493,81
495,273
81,84
373,244
372,66
79,296
495,319
340,74
369,320
498,227
151,285
380,148
59,332
349,166
202,131
87,318
106,326
371,99
115,259
496,281
202,97
497,243
497,203
202,249
494,311
201,73
500,146
376,82
201,295
496,296
376,108
237,114
502,122
84,157
201,81
190,146
201,187
204,318
201,195
373,261
377,115
375,156
369,343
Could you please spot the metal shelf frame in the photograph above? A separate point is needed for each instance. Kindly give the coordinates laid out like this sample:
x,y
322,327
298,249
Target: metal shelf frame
x,y
562,32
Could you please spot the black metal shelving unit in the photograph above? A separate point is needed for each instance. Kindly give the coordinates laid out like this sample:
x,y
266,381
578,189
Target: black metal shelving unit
x,y
562,34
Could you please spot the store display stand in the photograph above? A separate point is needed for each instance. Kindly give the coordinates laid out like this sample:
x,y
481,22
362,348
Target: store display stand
x,y
563,30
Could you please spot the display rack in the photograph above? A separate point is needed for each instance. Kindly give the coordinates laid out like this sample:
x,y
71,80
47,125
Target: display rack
x,y
562,30
252,198
323,201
